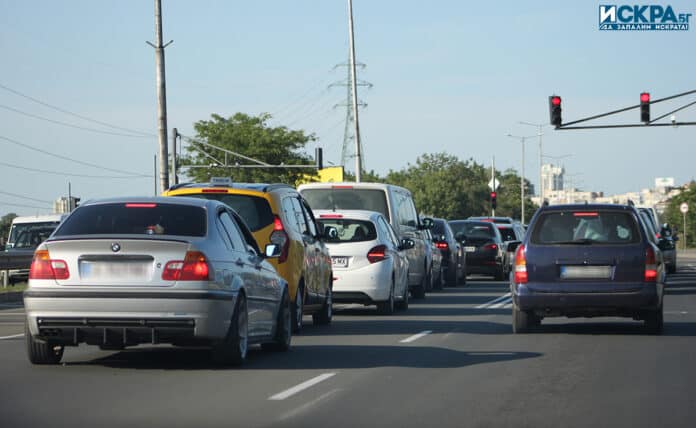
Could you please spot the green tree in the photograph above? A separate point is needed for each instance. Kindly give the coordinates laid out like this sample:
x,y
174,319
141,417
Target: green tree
x,y
508,196
675,218
250,136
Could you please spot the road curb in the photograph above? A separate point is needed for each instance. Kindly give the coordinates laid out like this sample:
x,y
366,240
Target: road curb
x,y
12,296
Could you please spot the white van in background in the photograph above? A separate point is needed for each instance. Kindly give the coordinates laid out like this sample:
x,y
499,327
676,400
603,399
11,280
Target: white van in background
x,y
26,233
396,204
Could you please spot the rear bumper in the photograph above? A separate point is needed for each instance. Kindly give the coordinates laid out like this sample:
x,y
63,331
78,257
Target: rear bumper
x,y
645,297
364,285
128,318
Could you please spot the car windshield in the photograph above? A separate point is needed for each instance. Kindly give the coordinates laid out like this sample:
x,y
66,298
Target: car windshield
x,y
22,235
473,230
350,230
254,210
135,218
347,199
585,227
507,233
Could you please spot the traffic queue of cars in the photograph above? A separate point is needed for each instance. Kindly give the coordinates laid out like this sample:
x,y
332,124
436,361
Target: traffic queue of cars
x,y
227,265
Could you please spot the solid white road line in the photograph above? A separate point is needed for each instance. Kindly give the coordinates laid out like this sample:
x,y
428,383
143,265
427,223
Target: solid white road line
x,y
416,336
14,336
501,304
301,387
494,301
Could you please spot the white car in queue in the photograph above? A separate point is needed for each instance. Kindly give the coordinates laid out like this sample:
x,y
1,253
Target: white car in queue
x,y
127,271
370,265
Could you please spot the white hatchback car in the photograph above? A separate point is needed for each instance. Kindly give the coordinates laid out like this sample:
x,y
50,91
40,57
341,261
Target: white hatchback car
x,y
369,261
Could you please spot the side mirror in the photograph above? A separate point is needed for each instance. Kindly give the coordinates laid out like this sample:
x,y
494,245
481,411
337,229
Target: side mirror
x,y
512,245
459,236
675,238
406,244
665,244
330,233
272,251
427,223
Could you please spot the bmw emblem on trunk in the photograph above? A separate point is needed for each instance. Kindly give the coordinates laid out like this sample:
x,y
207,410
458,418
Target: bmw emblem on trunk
x,y
115,247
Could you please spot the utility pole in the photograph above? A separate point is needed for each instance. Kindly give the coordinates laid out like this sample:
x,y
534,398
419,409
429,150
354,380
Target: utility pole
x,y
354,87
495,188
541,160
161,97
175,177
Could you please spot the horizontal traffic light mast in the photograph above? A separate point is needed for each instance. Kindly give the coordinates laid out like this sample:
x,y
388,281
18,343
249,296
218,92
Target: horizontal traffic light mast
x,y
644,106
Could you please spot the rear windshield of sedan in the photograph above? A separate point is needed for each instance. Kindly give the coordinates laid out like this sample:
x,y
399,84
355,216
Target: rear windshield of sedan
x,y
255,211
350,230
585,227
135,218
507,233
347,199
473,230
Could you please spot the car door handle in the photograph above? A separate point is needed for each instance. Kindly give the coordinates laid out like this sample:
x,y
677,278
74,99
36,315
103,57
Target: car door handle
x,y
239,262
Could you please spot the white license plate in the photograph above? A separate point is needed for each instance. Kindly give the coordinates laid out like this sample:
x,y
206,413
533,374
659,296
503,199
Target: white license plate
x,y
115,271
470,249
586,272
339,261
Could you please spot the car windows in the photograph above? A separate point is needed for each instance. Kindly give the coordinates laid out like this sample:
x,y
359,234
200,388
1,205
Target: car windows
x,y
388,231
349,199
309,219
405,210
135,218
290,216
565,227
351,230
238,242
299,215
507,233
255,211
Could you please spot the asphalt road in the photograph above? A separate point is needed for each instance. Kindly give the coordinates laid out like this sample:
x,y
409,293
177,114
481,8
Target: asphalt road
x,y
449,361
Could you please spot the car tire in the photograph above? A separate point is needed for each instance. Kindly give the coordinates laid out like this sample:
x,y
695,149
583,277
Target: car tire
x,y
283,331
654,321
40,351
500,274
520,320
440,281
429,282
671,268
403,303
324,316
232,350
298,309
387,307
451,280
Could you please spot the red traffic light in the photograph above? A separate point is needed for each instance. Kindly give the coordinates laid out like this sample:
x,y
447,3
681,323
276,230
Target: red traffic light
x,y
556,100
645,97
493,195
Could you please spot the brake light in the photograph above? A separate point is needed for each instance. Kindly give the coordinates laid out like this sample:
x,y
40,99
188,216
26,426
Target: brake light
x,y
42,267
586,214
331,216
377,254
141,205
194,267
521,265
342,187
214,191
280,237
490,247
650,265
442,245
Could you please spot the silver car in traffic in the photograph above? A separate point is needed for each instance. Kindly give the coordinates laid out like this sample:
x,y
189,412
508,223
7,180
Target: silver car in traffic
x,y
128,271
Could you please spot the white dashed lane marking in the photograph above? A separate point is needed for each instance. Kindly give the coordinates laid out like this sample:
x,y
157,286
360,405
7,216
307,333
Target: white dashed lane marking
x,y
301,387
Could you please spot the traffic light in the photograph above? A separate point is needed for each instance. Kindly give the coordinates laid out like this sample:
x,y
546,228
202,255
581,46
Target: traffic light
x,y
555,110
319,157
645,107
493,200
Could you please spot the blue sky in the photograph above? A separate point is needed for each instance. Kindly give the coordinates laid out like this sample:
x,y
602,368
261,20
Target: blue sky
x,y
448,76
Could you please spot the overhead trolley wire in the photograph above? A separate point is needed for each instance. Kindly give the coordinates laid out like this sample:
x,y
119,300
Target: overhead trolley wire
x,y
62,110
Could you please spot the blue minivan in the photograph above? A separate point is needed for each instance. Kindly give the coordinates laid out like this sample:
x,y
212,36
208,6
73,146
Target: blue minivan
x,y
587,261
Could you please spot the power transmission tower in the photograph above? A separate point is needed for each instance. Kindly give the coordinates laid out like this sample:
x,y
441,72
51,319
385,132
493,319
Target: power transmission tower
x,y
348,149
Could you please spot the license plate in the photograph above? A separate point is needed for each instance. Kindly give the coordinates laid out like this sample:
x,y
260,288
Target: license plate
x,y
115,271
339,261
586,272
470,249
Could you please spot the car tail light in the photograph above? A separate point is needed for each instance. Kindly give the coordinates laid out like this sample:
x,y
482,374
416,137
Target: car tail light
x,y
331,216
377,254
138,205
442,245
194,267
42,267
280,237
650,265
521,265
490,247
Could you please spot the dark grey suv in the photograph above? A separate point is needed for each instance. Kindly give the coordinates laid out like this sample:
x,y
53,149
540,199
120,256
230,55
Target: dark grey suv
x,y
587,261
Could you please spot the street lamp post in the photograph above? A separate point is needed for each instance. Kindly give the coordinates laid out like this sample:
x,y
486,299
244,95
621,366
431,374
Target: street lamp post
x,y
541,162
522,177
